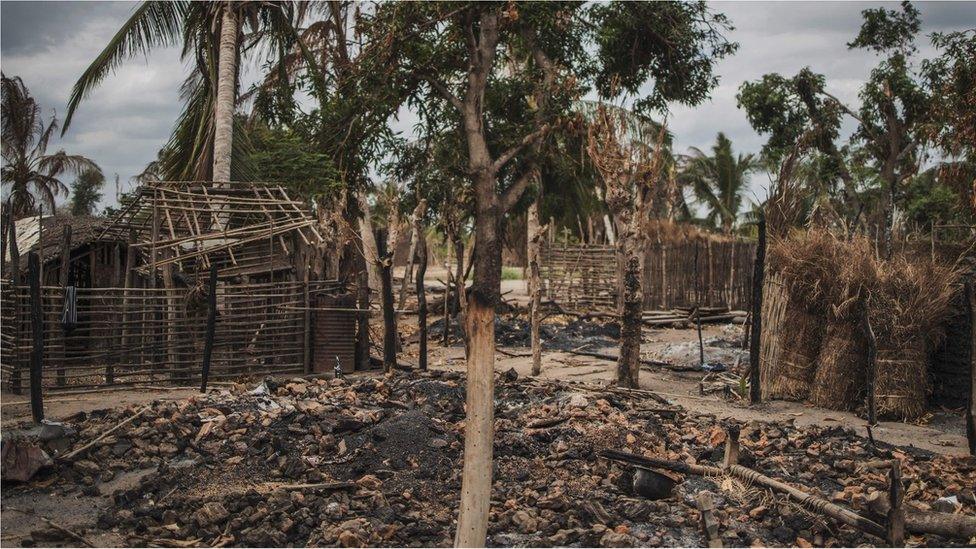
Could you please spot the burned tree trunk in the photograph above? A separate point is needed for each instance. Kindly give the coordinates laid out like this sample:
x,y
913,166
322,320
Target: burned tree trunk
x,y
385,265
418,228
626,170
629,292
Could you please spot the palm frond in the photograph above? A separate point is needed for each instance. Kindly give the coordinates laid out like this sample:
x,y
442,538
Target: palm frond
x,y
154,24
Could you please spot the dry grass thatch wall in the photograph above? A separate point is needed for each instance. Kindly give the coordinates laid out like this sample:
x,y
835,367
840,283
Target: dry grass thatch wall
x,y
814,311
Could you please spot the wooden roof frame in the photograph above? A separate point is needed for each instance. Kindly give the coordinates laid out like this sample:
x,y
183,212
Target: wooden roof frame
x,y
192,221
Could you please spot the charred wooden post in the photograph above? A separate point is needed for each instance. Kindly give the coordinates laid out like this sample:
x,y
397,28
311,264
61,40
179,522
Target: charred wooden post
x,y
872,362
731,446
896,515
362,319
421,290
385,260
208,342
709,524
37,336
63,282
758,273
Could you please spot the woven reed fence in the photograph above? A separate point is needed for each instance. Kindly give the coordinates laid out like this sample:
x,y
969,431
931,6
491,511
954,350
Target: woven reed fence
x,y
585,275
150,336
775,298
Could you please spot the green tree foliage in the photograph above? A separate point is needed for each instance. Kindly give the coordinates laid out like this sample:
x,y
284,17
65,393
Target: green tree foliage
x,y
719,181
27,166
905,104
282,155
86,191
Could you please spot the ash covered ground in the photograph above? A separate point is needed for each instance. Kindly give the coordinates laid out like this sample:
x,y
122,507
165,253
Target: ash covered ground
x,y
377,461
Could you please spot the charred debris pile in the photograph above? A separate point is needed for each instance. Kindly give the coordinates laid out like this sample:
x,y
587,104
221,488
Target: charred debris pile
x,y
377,462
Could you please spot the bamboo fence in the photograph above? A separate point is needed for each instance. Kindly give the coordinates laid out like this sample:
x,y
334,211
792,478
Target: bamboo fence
x,y
154,335
585,275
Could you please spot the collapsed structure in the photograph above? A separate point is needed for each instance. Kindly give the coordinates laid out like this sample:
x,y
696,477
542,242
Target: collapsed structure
x,y
137,312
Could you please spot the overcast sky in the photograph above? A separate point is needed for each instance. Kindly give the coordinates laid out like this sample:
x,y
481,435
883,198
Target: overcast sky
x,y
129,117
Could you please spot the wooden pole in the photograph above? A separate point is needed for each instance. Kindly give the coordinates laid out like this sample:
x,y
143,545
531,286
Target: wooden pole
x,y
896,515
872,363
758,273
37,335
63,282
971,411
810,502
211,327
421,291
447,293
701,344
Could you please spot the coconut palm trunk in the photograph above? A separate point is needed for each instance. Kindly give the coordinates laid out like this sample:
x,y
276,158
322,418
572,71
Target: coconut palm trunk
x,y
226,85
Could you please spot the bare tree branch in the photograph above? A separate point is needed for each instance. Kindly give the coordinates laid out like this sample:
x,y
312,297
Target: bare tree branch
x,y
529,139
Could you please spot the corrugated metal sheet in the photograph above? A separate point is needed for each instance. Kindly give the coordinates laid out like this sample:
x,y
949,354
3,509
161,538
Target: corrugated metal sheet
x,y
334,334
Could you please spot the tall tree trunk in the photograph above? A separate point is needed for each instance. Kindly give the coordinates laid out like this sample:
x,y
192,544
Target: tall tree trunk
x,y
418,227
385,261
369,242
414,238
887,237
352,269
534,244
226,84
479,323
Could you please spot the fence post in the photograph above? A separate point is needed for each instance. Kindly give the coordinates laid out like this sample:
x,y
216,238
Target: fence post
x,y
211,327
37,334
755,392
872,356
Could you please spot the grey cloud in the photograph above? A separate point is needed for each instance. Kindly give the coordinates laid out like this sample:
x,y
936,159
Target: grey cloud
x,y
129,117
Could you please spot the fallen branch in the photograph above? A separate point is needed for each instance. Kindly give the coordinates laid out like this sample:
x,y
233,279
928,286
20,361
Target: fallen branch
x,y
274,486
810,502
129,420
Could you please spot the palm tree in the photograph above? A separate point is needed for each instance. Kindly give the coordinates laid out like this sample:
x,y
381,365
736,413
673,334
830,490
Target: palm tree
x,y
27,167
212,34
719,181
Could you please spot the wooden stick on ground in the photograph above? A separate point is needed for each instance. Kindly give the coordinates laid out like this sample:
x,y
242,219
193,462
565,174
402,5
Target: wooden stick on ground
x,y
812,503
129,420
73,535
